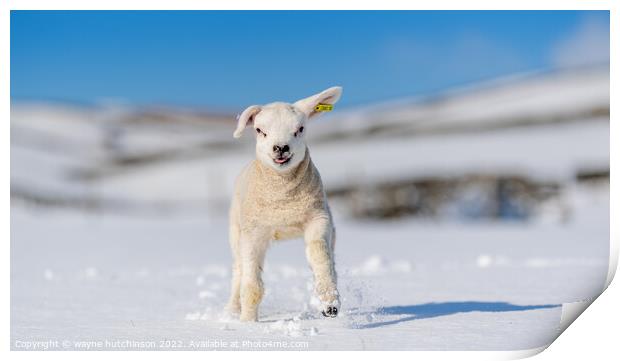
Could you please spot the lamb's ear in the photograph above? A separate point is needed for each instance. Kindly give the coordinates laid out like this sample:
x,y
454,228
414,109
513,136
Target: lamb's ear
x,y
328,96
245,118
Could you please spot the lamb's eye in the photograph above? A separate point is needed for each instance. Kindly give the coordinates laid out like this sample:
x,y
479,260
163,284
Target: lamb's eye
x,y
260,132
299,131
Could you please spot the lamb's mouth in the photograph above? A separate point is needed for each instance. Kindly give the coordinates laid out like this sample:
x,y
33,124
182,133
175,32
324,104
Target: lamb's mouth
x,y
282,160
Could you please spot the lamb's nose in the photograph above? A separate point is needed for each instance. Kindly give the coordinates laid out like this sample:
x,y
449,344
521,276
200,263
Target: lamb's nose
x,y
281,148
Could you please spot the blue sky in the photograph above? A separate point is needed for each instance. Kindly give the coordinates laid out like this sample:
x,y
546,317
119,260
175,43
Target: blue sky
x,y
228,60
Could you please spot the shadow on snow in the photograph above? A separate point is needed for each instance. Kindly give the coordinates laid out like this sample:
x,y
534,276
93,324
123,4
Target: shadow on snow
x,y
430,310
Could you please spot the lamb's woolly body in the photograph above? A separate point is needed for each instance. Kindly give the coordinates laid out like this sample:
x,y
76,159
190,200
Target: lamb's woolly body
x,y
273,206
282,201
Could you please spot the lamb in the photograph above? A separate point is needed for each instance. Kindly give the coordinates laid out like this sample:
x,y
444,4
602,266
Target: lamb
x,y
279,195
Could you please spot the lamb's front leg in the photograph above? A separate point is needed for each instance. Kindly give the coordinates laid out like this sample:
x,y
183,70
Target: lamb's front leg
x,y
319,251
234,303
252,257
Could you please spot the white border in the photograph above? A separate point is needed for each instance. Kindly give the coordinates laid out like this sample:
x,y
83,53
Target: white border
x,y
596,329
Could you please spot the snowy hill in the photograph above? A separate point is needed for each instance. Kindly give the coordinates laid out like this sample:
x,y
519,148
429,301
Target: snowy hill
x,y
546,128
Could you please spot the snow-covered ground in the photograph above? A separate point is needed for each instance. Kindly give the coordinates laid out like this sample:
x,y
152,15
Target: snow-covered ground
x,y
405,284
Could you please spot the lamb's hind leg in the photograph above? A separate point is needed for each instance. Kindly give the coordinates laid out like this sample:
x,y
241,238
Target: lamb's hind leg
x,y
319,251
234,304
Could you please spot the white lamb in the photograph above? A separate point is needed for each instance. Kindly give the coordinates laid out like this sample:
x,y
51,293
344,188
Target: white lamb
x,y
279,195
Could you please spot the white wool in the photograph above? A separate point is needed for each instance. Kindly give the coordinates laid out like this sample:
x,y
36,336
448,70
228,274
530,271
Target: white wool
x,y
280,200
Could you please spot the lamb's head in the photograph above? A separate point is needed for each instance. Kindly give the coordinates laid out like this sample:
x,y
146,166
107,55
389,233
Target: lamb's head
x,y
280,128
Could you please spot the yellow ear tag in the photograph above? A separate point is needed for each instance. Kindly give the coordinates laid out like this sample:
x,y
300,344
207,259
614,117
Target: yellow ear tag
x,y
324,108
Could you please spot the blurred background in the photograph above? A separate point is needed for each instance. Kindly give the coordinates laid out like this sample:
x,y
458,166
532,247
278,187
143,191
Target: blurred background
x,y
463,139
445,114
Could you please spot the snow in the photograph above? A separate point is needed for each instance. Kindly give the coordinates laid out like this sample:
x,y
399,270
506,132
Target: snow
x,y
405,284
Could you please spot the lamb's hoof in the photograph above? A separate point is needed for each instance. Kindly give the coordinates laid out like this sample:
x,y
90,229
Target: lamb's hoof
x,y
244,318
330,311
232,310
